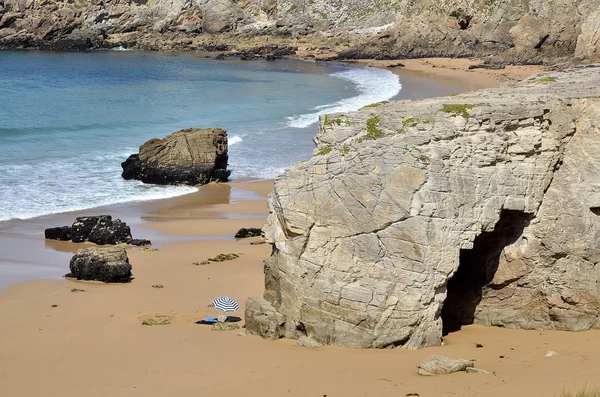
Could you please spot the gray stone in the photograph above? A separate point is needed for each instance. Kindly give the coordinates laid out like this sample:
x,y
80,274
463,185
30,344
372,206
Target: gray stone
x,y
110,265
440,365
305,341
263,319
222,318
454,214
532,32
220,16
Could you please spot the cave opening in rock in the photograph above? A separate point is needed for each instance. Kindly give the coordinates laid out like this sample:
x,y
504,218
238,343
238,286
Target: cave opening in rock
x,y
476,269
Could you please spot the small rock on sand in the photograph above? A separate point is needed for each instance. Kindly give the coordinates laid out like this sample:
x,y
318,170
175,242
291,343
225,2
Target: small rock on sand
x,y
439,365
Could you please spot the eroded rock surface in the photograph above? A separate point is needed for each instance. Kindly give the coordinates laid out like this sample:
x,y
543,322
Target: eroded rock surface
x,y
440,365
415,218
523,31
193,156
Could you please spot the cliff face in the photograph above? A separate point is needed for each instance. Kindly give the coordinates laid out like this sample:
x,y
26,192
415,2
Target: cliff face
x,y
529,31
414,218
532,31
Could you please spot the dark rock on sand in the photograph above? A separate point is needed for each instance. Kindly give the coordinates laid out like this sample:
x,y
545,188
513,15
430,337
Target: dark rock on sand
x,y
110,232
83,225
140,242
110,265
100,230
62,233
193,156
249,232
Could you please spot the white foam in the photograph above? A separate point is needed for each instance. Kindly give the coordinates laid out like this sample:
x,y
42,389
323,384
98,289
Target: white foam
x,y
374,85
234,139
51,186
120,48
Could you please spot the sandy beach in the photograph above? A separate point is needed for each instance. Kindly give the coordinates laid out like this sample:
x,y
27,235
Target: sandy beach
x,y
56,341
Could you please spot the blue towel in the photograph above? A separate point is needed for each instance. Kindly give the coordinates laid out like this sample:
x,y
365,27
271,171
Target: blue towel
x,y
208,320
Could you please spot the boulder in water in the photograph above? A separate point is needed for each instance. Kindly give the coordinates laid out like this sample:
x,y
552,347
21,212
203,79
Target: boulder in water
x,y
193,156
62,233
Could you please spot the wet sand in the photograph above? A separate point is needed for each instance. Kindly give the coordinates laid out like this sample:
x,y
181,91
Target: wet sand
x,y
92,343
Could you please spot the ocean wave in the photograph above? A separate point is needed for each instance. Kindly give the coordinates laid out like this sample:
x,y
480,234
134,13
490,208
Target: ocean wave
x,y
234,140
54,207
52,186
374,85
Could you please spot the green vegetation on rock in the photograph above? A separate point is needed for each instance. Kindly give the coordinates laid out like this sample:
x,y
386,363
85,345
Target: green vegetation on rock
x,y
323,150
373,131
218,258
327,122
374,105
547,79
405,123
457,109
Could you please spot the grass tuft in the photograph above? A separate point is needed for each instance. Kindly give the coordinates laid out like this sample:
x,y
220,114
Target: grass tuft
x,y
547,79
373,131
323,150
458,109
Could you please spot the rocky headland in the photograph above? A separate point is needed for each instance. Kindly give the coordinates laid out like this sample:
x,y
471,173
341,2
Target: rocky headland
x,y
531,31
415,218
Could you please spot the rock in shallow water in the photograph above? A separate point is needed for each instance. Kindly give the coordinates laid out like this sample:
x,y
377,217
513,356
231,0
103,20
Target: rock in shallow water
x,y
192,156
110,265
61,233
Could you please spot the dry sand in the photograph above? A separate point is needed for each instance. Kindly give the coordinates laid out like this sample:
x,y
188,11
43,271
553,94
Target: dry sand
x,y
455,71
92,343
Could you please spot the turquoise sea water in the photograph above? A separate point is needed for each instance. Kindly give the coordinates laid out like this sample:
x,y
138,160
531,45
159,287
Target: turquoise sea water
x,y
68,120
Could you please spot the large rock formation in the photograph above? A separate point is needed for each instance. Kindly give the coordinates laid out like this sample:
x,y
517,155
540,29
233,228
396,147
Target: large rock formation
x,y
193,156
110,265
414,218
525,31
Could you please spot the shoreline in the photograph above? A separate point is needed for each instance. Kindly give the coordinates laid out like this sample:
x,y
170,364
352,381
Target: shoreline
x,y
420,78
92,343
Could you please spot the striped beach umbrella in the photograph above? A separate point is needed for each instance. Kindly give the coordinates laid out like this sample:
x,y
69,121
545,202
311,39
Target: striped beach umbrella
x,y
226,304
